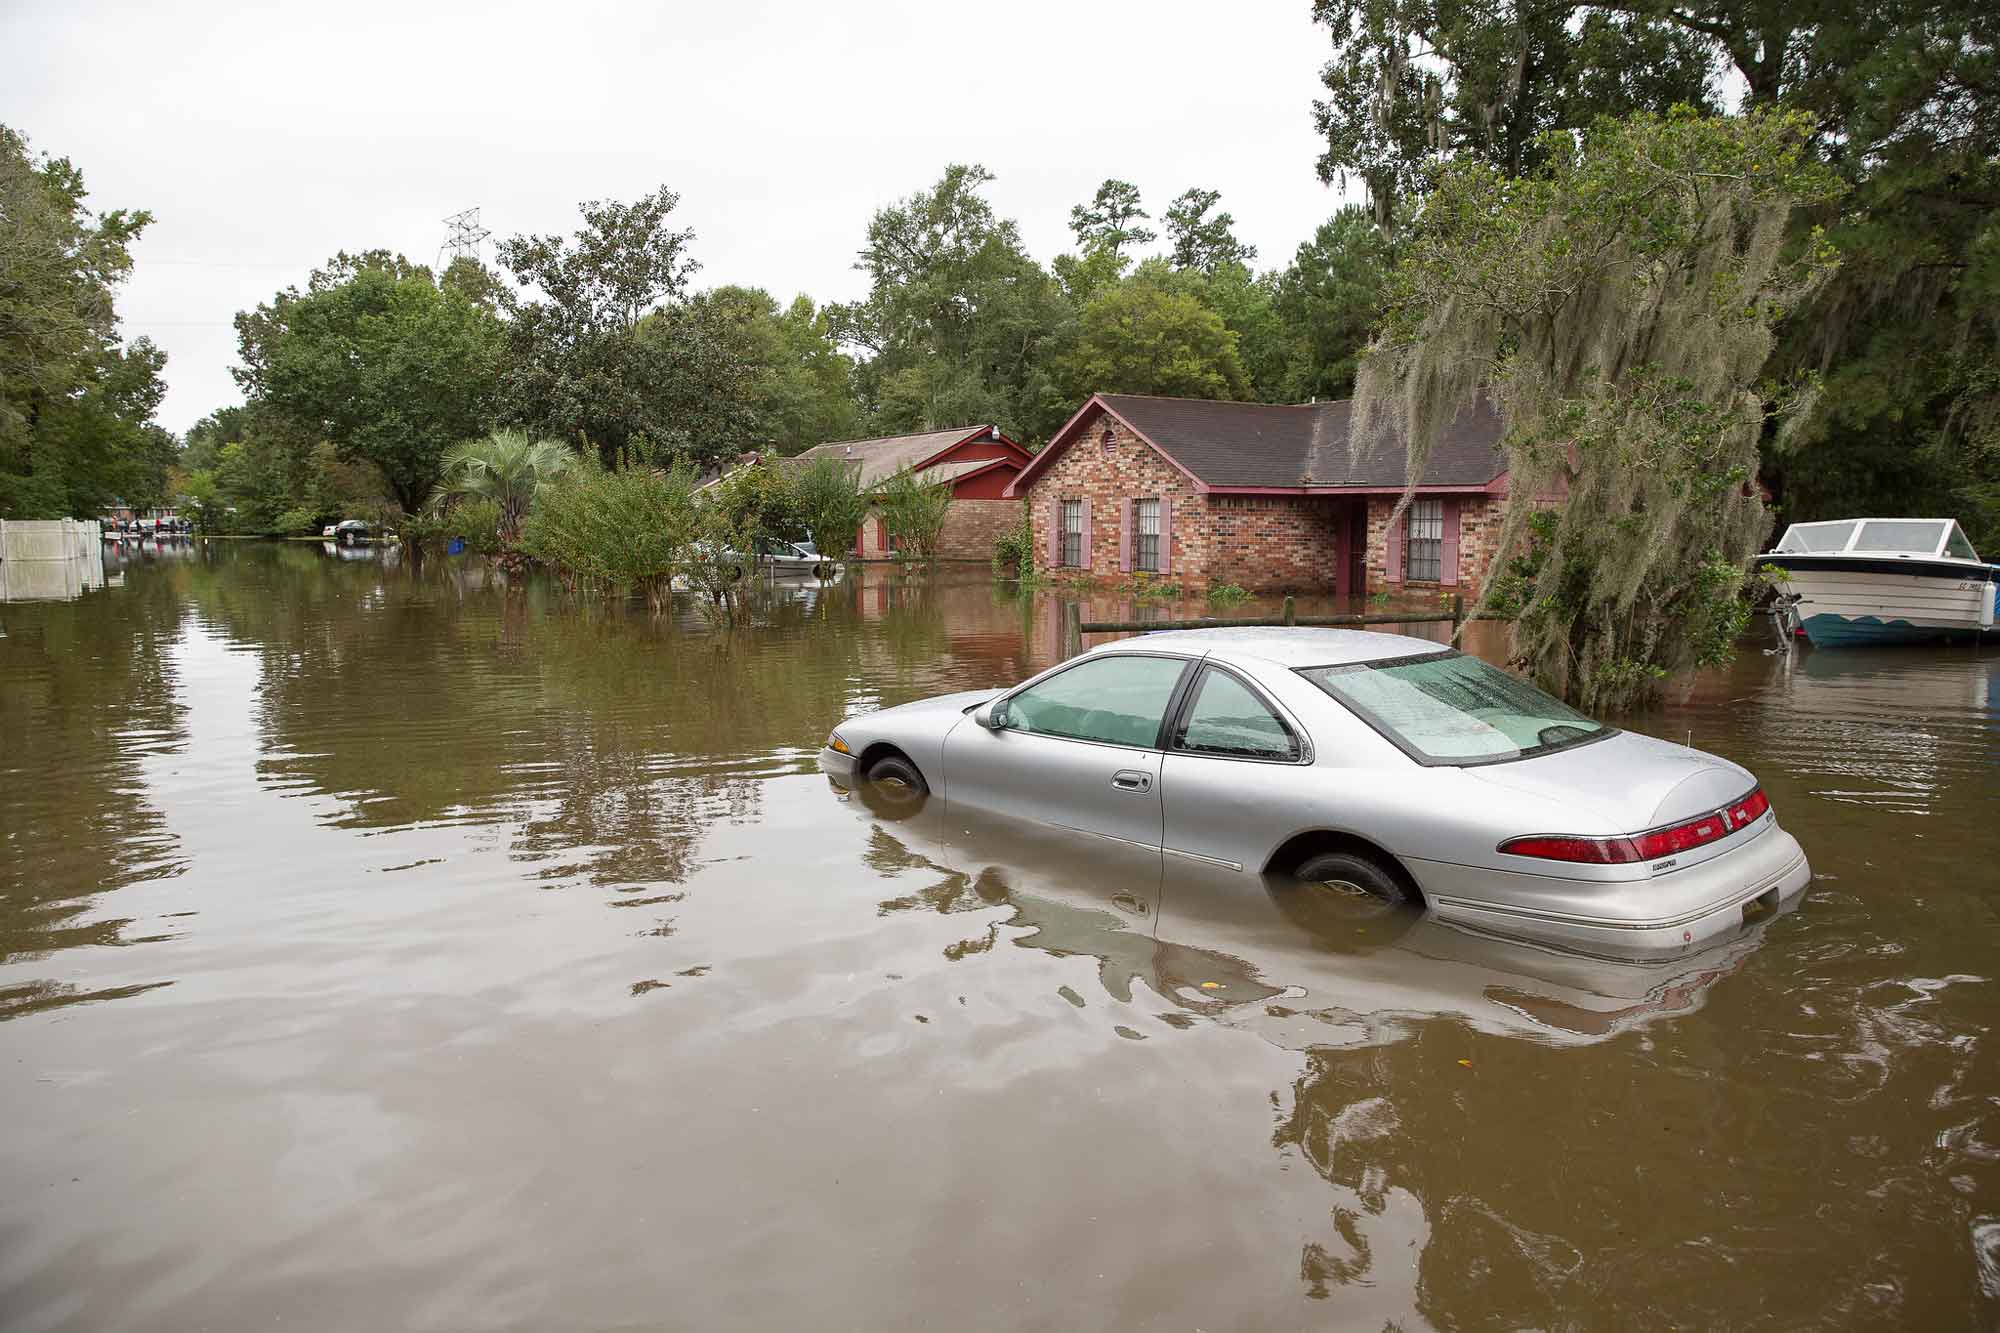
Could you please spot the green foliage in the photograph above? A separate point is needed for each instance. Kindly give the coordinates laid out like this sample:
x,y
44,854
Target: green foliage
x,y
611,357
799,388
1328,304
507,468
960,324
1226,594
1014,550
1200,242
1417,84
297,523
914,512
1618,303
479,524
374,357
614,531
75,405
830,505
1151,590
1153,334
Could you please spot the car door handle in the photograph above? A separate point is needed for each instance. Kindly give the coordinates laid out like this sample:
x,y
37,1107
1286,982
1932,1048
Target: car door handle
x,y
1131,779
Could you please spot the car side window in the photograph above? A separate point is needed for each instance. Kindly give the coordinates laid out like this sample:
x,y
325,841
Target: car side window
x,y
1226,718
1119,699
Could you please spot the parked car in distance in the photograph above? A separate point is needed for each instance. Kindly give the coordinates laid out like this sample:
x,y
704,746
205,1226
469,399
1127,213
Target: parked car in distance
x,y
327,531
353,532
782,557
1372,763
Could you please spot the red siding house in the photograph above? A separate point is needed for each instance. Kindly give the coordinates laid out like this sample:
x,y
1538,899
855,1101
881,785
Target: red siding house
x,y
980,462
1268,497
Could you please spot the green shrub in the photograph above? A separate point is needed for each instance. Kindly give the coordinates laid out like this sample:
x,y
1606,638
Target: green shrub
x,y
614,531
1014,550
1226,594
477,524
295,522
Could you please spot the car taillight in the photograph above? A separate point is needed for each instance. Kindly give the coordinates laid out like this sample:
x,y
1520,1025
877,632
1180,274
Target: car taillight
x,y
1649,846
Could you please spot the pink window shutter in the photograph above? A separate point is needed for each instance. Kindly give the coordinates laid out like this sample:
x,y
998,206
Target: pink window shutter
x,y
1448,547
1087,560
1166,535
1125,539
1392,558
1055,533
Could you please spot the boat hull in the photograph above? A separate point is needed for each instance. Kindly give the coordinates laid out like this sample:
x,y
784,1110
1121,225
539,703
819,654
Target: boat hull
x,y
1847,602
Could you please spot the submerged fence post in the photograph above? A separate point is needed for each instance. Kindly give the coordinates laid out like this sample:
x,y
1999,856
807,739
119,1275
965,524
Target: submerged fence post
x,y
1457,610
1291,614
1072,638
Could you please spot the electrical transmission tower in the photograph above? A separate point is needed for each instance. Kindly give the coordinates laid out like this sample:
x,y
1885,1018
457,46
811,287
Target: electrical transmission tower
x,y
463,238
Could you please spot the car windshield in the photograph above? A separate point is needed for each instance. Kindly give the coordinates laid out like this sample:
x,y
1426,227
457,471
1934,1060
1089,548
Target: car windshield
x,y
1447,708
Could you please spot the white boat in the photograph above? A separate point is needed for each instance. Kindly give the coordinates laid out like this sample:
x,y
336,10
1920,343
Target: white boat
x,y
1886,580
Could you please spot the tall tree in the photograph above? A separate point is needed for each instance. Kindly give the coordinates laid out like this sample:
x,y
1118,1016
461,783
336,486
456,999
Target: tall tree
x,y
1202,242
799,383
1417,83
960,323
1110,221
1329,302
375,357
1618,303
1153,333
604,352
75,405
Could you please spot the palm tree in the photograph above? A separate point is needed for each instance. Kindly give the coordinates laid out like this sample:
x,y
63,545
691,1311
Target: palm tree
x,y
506,467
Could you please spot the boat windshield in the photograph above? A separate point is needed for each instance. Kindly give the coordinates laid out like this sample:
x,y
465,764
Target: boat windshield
x,y
1446,708
1918,536
1807,538
1957,547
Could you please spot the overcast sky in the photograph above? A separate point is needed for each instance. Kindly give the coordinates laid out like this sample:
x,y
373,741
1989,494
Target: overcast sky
x,y
266,137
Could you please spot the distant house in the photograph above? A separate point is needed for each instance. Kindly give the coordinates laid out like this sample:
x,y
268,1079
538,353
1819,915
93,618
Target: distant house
x,y
1264,496
978,461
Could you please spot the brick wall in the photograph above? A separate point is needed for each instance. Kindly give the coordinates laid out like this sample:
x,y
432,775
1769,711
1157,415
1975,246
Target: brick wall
x,y
1130,469
1274,543
971,525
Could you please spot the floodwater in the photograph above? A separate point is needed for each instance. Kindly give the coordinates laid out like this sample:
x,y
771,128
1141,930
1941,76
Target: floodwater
x,y
386,951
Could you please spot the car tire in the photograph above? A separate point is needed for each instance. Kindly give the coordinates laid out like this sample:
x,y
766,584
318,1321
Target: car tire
x,y
1352,873
897,780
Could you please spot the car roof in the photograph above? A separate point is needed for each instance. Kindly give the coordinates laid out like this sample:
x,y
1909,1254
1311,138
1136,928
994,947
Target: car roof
x,y
1296,647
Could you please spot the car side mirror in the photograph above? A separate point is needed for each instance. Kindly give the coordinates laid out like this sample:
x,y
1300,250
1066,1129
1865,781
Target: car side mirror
x,y
991,715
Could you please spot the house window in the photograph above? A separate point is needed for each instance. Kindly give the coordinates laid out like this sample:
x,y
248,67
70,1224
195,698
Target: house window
x,y
1423,548
1072,533
1146,546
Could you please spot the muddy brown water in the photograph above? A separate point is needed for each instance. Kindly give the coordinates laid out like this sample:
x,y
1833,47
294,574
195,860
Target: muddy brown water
x,y
381,951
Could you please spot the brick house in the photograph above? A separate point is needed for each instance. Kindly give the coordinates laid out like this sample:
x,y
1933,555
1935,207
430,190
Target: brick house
x,y
980,462
1264,496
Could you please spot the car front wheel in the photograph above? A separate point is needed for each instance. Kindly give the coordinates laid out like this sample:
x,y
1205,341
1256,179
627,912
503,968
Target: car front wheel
x,y
897,779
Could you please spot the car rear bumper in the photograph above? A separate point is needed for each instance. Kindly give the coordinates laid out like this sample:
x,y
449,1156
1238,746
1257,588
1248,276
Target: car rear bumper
x,y
1664,915
836,765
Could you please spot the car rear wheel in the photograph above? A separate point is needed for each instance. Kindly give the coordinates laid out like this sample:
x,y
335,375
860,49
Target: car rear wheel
x,y
1346,872
897,780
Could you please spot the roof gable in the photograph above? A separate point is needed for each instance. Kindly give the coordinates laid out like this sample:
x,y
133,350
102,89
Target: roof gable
x,y
883,457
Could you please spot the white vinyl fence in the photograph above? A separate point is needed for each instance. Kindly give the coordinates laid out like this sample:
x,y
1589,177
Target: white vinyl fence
x,y
50,559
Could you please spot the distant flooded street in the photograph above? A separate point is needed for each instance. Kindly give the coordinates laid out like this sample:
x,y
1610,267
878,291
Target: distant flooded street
x,y
383,950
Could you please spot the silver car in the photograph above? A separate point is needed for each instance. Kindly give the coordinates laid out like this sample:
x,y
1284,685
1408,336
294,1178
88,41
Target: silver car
x,y
1375,763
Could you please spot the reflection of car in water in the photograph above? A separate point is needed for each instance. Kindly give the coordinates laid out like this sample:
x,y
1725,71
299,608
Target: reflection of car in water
x,y
1293,961
1376,763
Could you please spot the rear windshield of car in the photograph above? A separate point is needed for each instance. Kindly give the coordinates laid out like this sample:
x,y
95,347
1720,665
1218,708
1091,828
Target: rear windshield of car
x,y
1447,708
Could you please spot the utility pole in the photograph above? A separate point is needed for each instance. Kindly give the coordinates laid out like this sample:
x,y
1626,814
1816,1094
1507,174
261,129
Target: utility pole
x,y
462,237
